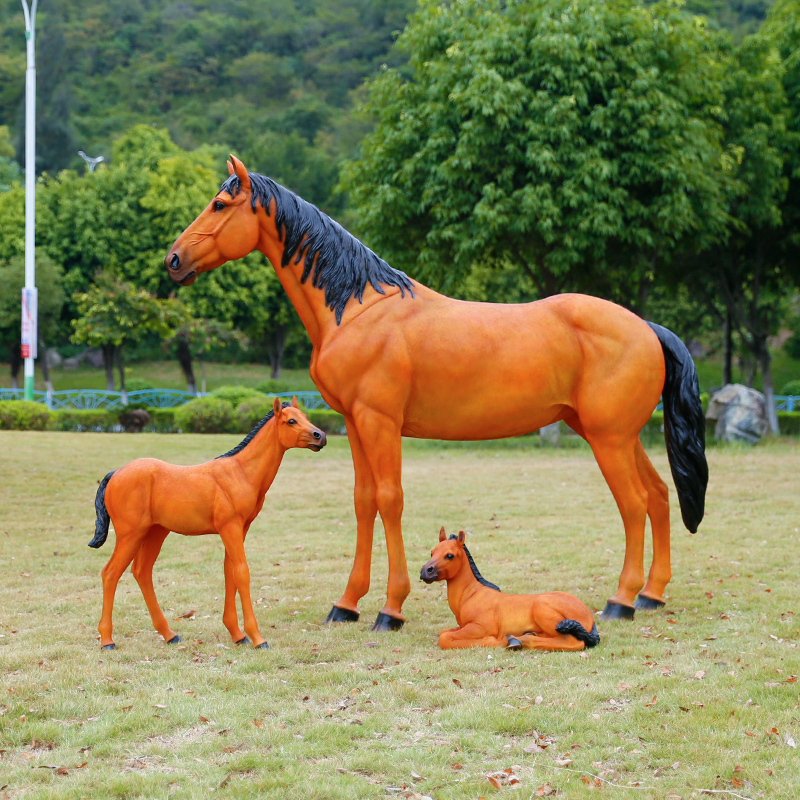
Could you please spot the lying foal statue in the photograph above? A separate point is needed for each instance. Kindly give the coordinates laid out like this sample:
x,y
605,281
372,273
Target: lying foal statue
x,y
489,618
147,498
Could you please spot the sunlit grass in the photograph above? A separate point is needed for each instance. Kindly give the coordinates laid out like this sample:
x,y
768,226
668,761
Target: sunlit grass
x,y
700,695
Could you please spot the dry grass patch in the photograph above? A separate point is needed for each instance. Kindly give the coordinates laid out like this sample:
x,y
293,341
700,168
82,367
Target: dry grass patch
x,y
702,695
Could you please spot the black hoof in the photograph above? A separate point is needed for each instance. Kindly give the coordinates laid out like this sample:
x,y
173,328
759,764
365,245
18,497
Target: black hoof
x,y
175,639
617,611
386,622
243,640
648,603
262,646
513,643
111,646
341,615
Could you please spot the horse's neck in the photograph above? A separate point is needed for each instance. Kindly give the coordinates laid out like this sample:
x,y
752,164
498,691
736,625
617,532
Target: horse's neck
x,y
261,457
461,588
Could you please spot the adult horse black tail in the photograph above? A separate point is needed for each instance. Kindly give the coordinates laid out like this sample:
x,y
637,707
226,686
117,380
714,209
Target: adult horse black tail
x,y
684,427
103,520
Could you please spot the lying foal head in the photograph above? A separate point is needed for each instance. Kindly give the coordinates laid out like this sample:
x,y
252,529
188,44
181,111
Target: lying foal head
x,y
448,558
294,428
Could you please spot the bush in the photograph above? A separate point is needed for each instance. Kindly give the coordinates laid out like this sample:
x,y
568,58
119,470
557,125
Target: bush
x,y
99,420
205,415
274,386
793,387
162,420
789,423
327,420
23,415
236,394
138,385
251,411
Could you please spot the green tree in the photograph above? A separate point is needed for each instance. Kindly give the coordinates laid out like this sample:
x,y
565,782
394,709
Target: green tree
x,y
580,141
113,313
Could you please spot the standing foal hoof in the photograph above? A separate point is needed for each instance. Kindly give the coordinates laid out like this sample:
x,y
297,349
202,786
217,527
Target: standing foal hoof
x,y
617,611
262,646
513,643
175,639
243,640
341,615
111,646
386,622
648,603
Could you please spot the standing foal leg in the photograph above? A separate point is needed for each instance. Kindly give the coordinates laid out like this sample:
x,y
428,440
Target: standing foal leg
x,y
346,608
142,570
616,457
652,596
128,542
229,616
233,539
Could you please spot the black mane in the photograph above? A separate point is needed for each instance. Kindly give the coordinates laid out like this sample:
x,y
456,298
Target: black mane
x,y
342,265
474,567
250,436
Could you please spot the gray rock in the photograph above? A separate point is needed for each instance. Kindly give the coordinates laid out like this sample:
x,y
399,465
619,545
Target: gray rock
x,y
740,414
71,363
551,434
135,420
53,357
93,357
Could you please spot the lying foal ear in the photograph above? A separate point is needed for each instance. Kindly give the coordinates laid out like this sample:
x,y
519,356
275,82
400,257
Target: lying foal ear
x,y
442,534
461,537
277,407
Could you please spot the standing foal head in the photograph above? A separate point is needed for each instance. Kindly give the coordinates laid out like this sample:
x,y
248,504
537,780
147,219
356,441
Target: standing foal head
x,y
294,428
226,230
447,559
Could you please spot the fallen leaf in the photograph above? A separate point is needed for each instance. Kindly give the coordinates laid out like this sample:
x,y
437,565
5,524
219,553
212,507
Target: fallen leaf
x,y
185,615
700,674
494,782
258,724
204,719
227,780
545,791
457,682
652,702
789,740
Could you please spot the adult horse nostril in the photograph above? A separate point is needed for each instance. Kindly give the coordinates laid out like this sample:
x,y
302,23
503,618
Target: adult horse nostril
x,y
174,262
317,435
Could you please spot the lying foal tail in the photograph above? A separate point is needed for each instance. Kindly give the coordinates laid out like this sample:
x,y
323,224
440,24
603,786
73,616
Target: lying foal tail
x,y
574,628
103,520
684,427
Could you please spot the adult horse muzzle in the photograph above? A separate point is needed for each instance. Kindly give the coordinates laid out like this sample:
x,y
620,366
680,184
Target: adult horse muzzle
x,y
173,264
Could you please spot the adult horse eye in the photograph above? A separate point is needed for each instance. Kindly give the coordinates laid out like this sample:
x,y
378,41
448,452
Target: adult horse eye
x,y
218,205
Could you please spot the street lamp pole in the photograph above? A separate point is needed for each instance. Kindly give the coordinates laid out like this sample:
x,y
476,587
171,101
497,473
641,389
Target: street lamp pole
x,y
29,292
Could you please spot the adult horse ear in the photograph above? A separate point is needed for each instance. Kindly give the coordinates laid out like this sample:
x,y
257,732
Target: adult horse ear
x,y
461,537
295,404
277,407
241,173
442,534
231,170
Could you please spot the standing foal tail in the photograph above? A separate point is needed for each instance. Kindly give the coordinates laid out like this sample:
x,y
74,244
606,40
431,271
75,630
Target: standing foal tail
x,y
684,427
103,519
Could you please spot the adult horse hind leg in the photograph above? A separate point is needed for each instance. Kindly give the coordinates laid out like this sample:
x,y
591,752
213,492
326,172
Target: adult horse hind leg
x,y
142,571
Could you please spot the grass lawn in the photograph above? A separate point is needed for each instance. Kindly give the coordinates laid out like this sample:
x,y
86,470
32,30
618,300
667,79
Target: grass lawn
x,y
702,695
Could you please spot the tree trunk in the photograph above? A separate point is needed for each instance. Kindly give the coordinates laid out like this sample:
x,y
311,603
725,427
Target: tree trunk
x,y
15,362
108,363
764,362
121,367
203,376
45,367
727,349
184,354
276,344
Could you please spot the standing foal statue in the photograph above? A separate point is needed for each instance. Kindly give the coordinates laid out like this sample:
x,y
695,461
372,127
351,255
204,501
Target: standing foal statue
x,y
399,359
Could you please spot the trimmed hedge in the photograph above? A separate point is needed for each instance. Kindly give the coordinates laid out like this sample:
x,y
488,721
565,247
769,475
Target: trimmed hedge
x,y
162,420
206,415
98,420
23,415
789,423
251,411
236,395
327,420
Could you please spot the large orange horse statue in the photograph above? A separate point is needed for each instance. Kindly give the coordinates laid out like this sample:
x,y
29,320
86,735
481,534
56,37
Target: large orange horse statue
x,y
398,359
487,617
148,498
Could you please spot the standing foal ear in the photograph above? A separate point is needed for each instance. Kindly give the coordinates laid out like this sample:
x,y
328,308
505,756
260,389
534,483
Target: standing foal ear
x,y
277,407
295,404
241,173
461,537
442,534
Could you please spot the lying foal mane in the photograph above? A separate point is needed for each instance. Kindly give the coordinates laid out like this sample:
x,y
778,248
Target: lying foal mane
x,y
342,265
473,566
250,436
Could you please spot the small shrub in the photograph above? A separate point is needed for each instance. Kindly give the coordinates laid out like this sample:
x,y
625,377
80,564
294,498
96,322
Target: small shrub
x,y
274,386
23,415
793,388
205,415
327,420
98,420
138,385
789,423
162,420
235,394
251,411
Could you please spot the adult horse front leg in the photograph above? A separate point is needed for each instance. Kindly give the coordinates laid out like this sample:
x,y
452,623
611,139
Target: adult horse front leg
x,y
380,438
346,608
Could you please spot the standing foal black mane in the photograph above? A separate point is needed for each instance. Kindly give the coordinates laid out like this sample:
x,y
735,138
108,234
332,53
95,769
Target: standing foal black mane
x,y
250,436
342,265
474,567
